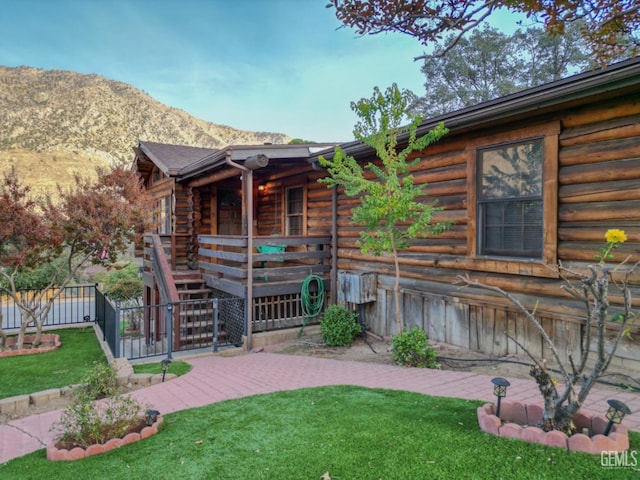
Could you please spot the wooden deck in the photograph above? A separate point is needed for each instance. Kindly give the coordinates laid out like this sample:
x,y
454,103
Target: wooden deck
x,y
229,265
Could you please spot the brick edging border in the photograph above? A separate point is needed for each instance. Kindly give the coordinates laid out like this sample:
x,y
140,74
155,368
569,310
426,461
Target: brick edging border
x,y
62,454
30,351
516,414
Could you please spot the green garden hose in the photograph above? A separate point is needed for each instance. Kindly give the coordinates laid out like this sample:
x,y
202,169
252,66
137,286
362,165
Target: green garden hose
x,y
312,302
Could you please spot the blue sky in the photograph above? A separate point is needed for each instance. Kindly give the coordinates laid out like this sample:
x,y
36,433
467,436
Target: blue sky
x,y
264,65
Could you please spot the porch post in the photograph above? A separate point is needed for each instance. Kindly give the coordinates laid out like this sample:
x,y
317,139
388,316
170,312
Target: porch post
x,y
250,164
248,191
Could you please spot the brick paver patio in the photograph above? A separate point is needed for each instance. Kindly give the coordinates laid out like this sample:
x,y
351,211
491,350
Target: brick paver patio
x,y
215,378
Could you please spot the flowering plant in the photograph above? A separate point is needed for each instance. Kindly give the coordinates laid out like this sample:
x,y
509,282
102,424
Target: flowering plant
x,y
614,238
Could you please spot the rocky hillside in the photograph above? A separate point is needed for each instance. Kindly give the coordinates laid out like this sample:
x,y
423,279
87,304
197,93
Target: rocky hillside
x,y
56,122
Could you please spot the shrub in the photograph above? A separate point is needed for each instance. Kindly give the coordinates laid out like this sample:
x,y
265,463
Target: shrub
x,y
339,326
85,422
411,348
100,382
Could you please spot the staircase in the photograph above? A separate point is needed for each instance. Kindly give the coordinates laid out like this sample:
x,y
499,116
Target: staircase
x,y
195,326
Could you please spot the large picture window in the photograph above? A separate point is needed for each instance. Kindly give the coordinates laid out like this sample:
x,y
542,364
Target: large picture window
x,y
510,199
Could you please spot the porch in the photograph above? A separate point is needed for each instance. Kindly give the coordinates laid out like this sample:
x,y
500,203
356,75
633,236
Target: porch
x,y
278,274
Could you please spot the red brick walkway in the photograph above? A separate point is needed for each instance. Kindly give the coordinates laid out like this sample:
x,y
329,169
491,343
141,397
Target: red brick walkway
x,y
216,378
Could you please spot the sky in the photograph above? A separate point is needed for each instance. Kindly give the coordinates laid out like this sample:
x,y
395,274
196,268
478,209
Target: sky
x,y
280,66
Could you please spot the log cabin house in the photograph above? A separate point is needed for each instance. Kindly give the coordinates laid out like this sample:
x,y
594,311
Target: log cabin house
x,y
529,180
233,223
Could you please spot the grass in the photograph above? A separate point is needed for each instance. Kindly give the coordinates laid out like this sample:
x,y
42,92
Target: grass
x,y
177,367
349,432
25,374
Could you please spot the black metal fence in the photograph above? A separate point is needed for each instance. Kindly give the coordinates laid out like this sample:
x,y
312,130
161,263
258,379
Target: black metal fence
x,y
74,304
146,331
140,331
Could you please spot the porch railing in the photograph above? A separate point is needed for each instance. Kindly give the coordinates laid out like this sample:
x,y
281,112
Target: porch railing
x,y
276,262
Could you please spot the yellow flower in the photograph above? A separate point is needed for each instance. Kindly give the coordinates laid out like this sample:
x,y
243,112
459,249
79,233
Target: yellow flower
x,y
615,236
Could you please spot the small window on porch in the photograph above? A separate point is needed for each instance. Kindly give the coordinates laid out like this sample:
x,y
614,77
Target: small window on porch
x,y
294,221
163,215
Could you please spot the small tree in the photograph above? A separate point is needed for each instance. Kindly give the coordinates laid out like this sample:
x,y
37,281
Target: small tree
x,y
392,210
91,223
591,288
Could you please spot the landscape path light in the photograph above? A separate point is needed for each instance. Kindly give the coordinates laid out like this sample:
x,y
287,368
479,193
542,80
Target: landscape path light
x,y
499,390
165,366
150,417
616,412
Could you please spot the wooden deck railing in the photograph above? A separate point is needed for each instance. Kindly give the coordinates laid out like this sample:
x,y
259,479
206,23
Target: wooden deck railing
x,y
276,262
162,270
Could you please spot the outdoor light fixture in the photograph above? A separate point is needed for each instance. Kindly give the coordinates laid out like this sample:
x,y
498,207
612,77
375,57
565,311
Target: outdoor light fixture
x,y
150,417
616,412
499,390
165,366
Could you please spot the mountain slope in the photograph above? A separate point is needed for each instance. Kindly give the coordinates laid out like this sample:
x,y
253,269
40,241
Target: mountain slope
x,y
57,122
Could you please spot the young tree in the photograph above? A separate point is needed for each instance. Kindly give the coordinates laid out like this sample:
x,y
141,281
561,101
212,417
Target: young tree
x,y
91,223
392,210
610,26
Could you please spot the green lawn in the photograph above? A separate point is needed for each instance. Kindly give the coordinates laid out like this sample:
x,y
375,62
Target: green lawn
x,y
178,367
24,374
349,432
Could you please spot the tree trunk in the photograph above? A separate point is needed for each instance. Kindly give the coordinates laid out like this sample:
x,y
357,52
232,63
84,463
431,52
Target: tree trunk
x,y
396,293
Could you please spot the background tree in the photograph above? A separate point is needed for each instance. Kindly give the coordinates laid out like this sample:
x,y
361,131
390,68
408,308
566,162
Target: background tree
x,y
392,210
91,223
610,28
489,64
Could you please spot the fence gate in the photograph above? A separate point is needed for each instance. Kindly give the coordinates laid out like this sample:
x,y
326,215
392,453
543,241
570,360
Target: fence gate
x,y
160,330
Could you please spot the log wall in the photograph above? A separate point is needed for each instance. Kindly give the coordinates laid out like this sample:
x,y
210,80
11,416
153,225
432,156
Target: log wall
x,y
598,188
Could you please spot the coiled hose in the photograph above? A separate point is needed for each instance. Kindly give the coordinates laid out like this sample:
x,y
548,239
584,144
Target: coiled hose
x,y
312,301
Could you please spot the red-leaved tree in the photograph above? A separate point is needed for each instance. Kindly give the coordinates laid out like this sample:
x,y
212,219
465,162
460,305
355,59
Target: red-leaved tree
x,y
91,223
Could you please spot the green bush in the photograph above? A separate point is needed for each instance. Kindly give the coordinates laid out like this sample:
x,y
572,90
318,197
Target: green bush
x,y
411,348
86,422
339,326
99,382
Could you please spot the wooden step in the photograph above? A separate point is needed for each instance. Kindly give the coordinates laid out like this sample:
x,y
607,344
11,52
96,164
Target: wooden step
x,y
195,294
200,339
198,324
196,312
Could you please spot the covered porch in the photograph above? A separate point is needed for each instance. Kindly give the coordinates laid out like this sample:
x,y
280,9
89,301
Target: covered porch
x,y
235,223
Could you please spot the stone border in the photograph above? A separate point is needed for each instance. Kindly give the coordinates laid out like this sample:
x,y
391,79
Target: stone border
x,y
62,454
513,415
20,403
30,351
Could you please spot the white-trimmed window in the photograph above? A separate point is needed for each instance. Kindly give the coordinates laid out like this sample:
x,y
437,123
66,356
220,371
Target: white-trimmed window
x,y
294,211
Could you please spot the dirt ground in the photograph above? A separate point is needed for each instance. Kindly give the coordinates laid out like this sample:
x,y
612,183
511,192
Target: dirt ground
x,y
374,350
369,348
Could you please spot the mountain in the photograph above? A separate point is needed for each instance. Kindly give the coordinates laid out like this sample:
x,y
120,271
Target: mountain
x,y
56,123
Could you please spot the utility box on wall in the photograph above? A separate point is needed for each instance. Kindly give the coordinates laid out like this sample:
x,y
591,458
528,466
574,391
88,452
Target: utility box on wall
x,y
357,287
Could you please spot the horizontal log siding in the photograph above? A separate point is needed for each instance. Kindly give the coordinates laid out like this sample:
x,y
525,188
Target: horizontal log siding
x,y
599,178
